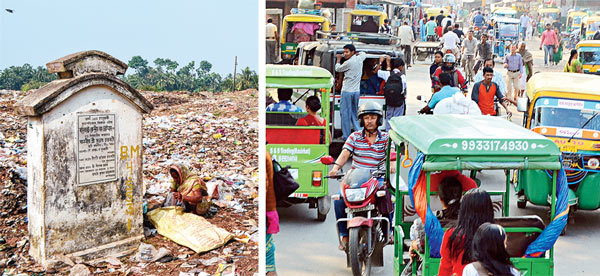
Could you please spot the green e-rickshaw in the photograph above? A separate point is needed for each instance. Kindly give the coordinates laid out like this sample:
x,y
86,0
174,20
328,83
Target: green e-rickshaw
x,y
301,147
460,142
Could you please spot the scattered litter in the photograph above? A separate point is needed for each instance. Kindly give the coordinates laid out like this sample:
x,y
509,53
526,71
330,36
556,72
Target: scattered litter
x,y
79,270
148,253
187,229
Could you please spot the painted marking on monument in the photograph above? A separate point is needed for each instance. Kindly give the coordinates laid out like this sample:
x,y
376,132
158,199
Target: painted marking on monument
x,y
129,183
96,148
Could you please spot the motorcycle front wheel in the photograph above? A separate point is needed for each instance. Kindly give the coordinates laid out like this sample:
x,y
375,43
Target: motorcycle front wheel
x,y
361,244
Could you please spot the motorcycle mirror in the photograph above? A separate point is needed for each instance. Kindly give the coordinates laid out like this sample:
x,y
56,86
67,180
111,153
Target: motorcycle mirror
x,y
327,160
393,156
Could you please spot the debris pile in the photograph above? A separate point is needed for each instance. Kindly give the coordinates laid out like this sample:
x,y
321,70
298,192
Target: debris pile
x,y
216,135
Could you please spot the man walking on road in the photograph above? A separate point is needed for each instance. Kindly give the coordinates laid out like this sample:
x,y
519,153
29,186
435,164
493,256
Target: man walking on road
x,y
395,82
514,65
407,38
439,18
527,60
484,92
469,46
352,70
430,28
550,42
524,23
271,35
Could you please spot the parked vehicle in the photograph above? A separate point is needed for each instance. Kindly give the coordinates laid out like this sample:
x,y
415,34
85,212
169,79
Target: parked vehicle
x,y
564,107
574,19
300,26
301,147
589,55
505,33
324,53
366,19
589,26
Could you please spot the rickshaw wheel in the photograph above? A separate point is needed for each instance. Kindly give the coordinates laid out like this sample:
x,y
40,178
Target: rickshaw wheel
x,y
360,244
521,204
323,206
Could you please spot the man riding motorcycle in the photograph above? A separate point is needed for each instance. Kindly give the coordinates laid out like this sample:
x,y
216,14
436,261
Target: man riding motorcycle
x,y
368,150
457,79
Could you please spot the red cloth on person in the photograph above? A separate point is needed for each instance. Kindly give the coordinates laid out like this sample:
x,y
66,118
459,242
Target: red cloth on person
x,y
310,120
449,266
466,182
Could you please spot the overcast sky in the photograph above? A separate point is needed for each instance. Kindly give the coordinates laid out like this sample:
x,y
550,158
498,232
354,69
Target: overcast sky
x,y
40,31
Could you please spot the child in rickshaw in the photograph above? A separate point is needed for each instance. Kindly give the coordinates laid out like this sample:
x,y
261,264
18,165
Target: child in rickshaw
x,y
450,192
489,253
475,209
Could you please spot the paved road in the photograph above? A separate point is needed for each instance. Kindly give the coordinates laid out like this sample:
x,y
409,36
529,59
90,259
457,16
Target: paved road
x,y
308,247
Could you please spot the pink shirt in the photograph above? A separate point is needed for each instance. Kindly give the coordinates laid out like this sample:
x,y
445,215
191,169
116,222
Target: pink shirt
x,y
549,38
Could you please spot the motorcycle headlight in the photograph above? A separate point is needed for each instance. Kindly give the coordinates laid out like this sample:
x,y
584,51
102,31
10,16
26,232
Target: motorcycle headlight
x,y
354,195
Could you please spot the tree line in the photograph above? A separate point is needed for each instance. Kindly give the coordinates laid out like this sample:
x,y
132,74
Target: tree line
x,y
165,75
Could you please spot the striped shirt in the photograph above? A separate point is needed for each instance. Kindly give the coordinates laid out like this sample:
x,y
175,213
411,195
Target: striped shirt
x,y
366,155
283,106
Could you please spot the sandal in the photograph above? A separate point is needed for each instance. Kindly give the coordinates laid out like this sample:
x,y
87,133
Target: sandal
x,y
344,244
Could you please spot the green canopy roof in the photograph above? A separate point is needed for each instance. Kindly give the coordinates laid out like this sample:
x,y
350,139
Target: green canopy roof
x,y
474,142
298,76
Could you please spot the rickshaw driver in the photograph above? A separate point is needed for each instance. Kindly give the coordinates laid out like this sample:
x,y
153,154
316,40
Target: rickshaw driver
x,y
368,147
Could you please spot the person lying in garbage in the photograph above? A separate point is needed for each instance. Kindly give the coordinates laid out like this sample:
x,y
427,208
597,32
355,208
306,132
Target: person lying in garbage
x,y
188,191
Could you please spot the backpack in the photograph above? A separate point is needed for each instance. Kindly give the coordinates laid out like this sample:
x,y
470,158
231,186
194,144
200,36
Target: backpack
x,y
393,91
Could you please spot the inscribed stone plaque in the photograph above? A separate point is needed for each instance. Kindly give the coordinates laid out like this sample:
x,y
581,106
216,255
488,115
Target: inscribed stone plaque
x,y
96,149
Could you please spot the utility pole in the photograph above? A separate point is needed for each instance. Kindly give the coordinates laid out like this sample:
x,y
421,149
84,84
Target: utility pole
x,y
234,72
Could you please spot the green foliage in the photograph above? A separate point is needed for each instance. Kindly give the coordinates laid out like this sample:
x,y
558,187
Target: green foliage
x,y
24,77
165,76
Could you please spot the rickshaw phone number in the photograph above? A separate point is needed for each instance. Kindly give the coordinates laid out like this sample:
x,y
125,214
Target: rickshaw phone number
x,y
487,145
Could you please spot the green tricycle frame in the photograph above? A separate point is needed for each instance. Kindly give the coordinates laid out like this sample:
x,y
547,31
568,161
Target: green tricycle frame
x,y
301,147
459,142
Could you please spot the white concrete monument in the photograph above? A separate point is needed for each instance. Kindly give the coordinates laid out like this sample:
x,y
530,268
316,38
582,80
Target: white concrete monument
x,y
84,161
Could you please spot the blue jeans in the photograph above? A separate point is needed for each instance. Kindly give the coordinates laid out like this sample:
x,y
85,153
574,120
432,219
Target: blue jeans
x,y
348,110
391,112
339,206
524,32
548,53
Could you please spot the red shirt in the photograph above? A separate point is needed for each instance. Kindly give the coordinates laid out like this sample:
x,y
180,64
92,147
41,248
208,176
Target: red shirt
x,y
459,78
466,182
310,120
448,266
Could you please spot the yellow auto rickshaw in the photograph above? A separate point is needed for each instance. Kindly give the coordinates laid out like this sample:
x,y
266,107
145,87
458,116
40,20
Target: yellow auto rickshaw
x,y
366,20
574,19
301,27
589,55
436,11
589,26
564,107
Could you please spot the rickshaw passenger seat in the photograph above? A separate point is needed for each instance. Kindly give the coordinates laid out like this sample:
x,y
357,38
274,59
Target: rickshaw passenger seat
x,y
517,242
293,136
283,118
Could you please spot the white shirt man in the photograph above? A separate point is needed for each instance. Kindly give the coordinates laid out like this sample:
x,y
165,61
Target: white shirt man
x,y
445,22
450,40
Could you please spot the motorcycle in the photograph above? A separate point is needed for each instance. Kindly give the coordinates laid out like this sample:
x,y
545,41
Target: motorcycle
x,y
368,228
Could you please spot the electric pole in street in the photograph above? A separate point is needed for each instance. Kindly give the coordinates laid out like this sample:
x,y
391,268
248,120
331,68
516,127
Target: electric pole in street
x,y
234,72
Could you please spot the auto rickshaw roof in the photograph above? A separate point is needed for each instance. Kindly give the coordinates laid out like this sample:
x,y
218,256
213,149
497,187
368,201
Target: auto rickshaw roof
x,y
593,18
563,82
305,18
368,12
549,10
588,43
502,19
298,76
455,142
577,13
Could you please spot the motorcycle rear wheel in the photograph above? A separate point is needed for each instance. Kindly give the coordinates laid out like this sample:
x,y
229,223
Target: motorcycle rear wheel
x,y
360,244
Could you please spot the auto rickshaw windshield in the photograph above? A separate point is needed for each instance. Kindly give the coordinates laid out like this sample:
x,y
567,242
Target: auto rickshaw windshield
x,y
507,29
563,117
356,177
594,26
577,19
589,55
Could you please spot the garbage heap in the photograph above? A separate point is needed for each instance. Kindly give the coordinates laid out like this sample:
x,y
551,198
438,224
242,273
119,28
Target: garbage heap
x,y
215,134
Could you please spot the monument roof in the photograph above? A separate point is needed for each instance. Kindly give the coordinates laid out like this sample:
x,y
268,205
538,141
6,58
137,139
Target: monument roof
x,y
54,93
